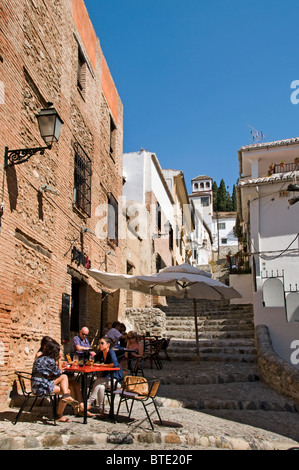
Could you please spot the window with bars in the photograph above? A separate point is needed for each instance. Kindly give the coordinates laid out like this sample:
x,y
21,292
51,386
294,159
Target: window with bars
x,y
82,180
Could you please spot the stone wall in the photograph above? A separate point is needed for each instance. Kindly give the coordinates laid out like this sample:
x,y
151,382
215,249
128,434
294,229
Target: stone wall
x,y
147,319
275,371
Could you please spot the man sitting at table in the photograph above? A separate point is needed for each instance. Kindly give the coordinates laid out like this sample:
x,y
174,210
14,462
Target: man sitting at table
x,y
115,333
81,343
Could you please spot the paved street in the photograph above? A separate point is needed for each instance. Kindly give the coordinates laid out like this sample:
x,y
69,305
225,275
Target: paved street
x,y
233,415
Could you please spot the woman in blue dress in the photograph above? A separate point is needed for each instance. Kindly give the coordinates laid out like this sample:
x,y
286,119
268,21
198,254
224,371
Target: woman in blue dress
x,y
107,357
47,377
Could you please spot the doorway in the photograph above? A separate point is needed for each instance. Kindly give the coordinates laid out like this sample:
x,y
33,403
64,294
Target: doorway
x,y
78,310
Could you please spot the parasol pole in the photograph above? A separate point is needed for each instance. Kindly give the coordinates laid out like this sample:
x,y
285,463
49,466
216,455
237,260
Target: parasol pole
x,y
196,327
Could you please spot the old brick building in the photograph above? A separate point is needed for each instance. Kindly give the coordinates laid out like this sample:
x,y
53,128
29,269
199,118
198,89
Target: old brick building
x,y
55,221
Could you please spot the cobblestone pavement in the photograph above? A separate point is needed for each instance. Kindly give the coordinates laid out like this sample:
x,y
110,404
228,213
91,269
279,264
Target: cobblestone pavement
x,y
201,409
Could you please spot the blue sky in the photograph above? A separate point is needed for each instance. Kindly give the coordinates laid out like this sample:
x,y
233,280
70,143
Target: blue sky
x,y
193,75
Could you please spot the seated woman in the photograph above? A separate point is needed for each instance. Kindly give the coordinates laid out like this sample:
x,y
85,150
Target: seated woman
x,y
133,342
107,357
44,341
47,377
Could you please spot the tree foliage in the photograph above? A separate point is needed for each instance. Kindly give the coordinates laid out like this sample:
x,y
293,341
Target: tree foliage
x,y
223,201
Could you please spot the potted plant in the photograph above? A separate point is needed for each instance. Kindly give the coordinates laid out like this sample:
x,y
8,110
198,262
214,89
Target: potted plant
x,y
282,163
271,168
296,160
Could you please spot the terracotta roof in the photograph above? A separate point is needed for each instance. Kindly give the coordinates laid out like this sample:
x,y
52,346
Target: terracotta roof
x,y
276,143
202,177
269,179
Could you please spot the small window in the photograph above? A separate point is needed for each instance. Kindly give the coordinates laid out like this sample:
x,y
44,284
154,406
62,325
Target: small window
x,y
223,241
158,217
112,138
170,238
112,225
81,72
82,180
205,201
158,262
221,226
207,184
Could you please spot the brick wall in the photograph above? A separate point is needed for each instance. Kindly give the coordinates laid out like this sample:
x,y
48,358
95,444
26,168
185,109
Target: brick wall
x,y
39,44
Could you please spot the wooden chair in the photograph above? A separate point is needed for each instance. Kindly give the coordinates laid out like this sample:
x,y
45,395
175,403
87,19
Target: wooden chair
x,y
139,389
25,384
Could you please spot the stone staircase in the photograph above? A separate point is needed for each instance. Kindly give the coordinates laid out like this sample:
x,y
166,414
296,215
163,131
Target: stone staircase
x,y
225,381
225,331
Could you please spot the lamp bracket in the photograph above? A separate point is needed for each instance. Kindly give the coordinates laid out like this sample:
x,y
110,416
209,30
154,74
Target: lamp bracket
x,y
15,157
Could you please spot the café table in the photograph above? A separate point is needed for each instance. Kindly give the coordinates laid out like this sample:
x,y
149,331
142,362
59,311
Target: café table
x,y
92,369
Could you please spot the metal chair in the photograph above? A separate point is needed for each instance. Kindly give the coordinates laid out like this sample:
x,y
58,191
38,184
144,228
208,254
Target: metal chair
x,y
154,356
165,347
136,366
24,381
139,389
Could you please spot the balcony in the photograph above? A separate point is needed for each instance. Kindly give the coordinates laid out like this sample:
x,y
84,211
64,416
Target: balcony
x,y
285,167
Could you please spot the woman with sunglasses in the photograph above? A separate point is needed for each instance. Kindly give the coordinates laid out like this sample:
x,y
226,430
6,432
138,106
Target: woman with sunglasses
x,y
107,357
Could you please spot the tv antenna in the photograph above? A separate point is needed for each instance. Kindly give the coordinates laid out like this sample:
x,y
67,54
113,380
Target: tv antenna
x,y
257,136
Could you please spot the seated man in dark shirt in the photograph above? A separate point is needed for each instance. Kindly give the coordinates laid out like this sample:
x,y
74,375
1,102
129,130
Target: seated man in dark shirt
x,y
81,343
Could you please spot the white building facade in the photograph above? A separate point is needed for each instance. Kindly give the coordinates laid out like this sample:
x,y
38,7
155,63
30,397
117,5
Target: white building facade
x,y
270,217
224,240
148,203
202,238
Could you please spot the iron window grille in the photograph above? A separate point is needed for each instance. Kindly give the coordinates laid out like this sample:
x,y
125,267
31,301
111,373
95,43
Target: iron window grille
x,y
82,180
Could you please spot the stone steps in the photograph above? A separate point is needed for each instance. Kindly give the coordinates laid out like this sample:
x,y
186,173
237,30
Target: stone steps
x,y
211,403
224,379
225,331
213,386
184,307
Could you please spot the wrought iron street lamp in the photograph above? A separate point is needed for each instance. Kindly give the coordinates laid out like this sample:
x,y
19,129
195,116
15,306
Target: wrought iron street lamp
x,y
49,123
167,227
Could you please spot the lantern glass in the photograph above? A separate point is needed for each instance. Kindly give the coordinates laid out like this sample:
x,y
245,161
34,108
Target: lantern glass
x,y
49,124
167,227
